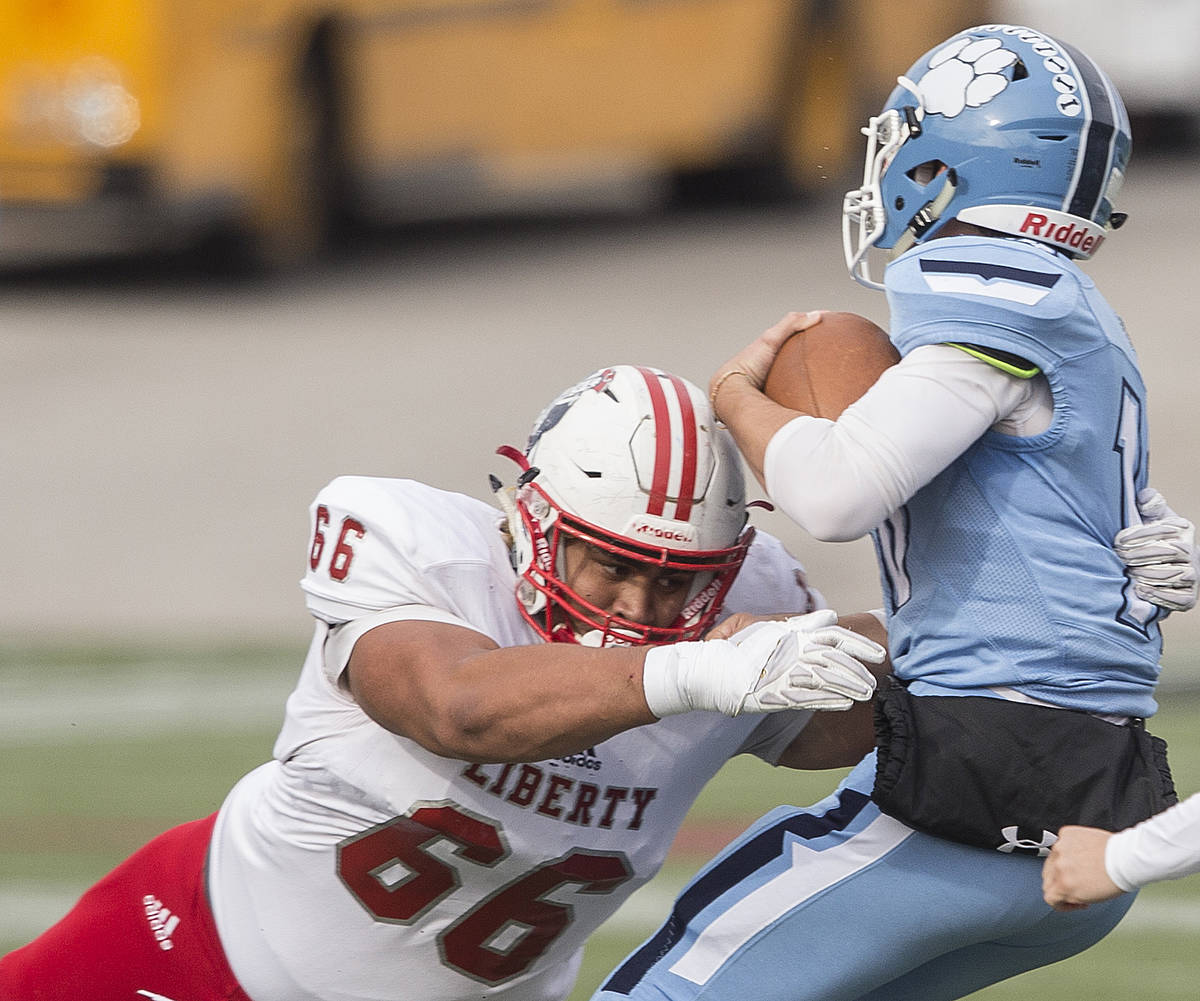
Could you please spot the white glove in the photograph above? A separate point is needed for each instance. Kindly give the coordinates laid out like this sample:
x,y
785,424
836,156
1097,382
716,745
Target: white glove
x,y
1160,554
805,662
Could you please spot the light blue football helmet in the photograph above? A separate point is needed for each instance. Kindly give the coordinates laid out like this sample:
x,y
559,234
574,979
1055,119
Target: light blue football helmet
x,y
1000,126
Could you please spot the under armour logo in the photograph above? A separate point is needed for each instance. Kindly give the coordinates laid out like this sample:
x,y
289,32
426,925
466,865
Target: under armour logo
x,y
1025,845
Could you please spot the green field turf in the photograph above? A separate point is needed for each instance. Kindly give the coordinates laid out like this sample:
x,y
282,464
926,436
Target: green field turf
x,y
101,751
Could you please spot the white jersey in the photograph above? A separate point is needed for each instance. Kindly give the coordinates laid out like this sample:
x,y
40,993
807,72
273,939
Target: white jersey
x,y
358,865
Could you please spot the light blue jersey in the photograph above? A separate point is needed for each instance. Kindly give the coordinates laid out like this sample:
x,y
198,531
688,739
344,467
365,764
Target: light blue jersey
x,y
1001,572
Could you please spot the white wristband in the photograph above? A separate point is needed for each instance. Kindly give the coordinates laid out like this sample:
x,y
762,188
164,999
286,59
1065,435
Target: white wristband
x,y
805,662
665,675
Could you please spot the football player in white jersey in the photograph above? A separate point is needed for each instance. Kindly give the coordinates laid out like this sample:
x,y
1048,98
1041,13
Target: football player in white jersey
x,y
501,722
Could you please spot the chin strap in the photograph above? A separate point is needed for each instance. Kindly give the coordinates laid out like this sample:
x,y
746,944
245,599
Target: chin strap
x,y
527,548
508,506
927,215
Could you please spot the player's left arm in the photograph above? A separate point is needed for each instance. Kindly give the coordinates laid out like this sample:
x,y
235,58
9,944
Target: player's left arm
x,y
1088,865
1160,554
838,739
1074,875
458,694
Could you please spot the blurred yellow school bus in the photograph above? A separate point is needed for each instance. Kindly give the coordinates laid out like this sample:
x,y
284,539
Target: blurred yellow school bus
x,y
139,124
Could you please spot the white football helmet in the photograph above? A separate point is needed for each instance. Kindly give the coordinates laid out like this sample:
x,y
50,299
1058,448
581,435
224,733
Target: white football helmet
x,y
630,460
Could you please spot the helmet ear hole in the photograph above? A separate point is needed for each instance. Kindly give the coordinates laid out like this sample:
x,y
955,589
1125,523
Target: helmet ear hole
x,y
1020,71
925,172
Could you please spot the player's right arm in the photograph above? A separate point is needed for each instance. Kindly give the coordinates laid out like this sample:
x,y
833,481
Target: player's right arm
x,y
418,591
751,416
458,694
411,580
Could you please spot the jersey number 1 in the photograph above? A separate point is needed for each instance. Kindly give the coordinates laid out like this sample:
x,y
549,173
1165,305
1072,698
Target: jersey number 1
x,y
891,537
1136,612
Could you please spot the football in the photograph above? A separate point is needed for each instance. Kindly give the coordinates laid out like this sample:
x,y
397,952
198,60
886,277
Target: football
x,y
822,370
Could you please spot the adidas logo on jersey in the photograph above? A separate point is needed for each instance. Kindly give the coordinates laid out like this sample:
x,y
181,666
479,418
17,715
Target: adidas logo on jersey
x,y
584,759
162,922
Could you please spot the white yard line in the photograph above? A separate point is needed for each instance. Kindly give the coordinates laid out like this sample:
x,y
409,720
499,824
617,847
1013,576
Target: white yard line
x,y
150,699
28,908
168,698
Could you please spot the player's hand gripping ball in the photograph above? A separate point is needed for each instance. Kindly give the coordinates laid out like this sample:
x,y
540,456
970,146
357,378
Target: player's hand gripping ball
x,y
822,370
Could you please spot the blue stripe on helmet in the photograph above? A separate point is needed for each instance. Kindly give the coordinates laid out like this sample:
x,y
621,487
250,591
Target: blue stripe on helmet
x,y
1097,138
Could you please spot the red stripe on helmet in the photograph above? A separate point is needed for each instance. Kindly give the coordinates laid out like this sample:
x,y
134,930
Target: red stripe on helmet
x,y
687,474
662,443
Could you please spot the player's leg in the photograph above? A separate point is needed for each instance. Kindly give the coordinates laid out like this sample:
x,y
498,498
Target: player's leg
x,y
145,929
930,921
964,971
784,863
835,901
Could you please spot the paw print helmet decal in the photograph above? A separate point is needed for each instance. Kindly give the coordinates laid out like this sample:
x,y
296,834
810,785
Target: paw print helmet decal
x,y
1000,126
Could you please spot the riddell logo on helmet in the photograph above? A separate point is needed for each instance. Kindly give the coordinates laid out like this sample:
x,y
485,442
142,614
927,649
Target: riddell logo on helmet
x,y
662,530
669,534
1064,234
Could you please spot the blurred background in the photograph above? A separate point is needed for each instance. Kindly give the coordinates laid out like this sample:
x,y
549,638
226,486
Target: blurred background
x,y
248,247
245,248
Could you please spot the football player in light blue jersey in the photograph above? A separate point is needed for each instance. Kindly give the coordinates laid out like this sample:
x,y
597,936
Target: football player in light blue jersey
x,y
1001,467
